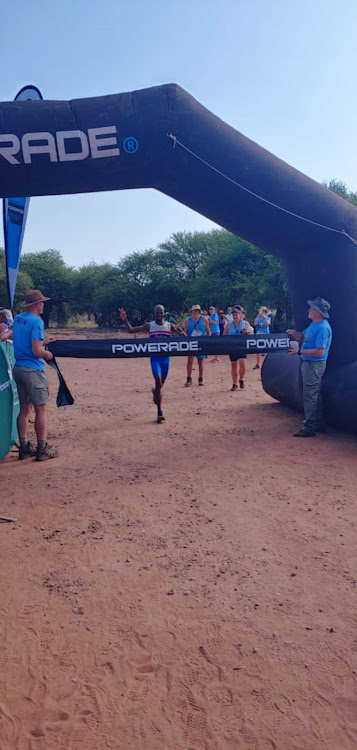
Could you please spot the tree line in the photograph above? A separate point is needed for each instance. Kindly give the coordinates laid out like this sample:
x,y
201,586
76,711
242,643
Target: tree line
x,y
208,268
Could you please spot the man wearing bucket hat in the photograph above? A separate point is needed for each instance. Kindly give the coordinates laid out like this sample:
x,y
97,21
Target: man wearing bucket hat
x,y
29,374
315,342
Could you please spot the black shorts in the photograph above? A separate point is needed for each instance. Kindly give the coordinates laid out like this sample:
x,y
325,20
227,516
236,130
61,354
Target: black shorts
x,y
236,357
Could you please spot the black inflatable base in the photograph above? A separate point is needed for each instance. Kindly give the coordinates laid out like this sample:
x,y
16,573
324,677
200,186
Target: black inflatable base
x,y
281,378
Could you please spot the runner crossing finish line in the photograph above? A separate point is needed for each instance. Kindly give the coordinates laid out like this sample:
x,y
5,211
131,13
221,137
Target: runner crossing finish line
x,y
175,347
160,333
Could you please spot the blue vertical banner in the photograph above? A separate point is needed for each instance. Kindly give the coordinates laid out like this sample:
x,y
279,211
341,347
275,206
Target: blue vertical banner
x,y
15,215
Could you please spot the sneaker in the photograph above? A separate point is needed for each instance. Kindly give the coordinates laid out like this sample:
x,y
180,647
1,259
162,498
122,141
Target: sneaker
x,y
28,452
42,454
256,367
188,382
241,384
304,433
160,417
200,381
234,387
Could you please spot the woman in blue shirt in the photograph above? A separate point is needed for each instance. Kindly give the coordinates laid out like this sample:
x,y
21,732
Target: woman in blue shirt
x,y
237,327
196,325
262,324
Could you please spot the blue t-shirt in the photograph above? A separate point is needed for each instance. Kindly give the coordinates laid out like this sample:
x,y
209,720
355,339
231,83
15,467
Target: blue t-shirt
x,y
234,330
261,327
317,335
27,327
215,327
196,329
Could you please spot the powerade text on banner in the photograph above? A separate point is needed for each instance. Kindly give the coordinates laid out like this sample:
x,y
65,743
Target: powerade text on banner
x,y
176,347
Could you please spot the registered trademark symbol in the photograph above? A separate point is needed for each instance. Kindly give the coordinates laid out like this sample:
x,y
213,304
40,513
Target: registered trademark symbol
x,y
130,145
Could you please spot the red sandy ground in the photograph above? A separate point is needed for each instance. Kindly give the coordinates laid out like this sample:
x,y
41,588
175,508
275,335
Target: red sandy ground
x,y
184,586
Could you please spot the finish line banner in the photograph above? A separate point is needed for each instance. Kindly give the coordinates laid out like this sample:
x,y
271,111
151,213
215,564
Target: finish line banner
x,y
175,347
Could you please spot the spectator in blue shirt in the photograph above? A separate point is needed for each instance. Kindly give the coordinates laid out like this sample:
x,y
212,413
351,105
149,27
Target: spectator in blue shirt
x,y
30,376
214,326
315,342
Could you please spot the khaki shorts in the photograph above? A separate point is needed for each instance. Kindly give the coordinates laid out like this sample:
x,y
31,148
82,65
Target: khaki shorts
x,y
32,385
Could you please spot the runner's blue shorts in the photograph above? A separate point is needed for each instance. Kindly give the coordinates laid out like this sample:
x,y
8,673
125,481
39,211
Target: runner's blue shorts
x,y
160,366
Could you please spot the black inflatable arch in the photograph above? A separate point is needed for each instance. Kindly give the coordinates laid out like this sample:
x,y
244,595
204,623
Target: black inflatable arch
x,y
163,138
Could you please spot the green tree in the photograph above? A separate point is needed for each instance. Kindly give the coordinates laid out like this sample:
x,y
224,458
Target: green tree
x,y
186,252
24,282
85,283
339,187
52,276
156,279
114,291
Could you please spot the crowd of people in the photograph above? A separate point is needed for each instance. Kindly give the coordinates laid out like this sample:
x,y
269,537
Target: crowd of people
x,y
200,322
28,335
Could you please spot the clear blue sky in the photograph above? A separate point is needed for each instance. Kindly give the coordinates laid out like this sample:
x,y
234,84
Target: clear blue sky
x,y
282,72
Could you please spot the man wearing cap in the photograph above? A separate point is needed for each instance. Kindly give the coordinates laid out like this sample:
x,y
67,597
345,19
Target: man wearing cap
x,y
196,325
29,374
315,342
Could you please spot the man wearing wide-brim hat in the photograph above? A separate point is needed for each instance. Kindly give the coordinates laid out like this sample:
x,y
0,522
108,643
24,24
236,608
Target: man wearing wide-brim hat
x,y
315,342
30,376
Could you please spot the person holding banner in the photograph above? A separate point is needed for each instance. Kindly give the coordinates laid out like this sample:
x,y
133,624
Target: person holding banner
x,y
159,328
29,374
237,327
315,342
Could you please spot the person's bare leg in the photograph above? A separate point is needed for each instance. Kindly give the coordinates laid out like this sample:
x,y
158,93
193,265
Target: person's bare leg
x,y
23,420
189,366
189,370
257,364
200,371
44,451
157,393
40,423
159,382
242,368
234,368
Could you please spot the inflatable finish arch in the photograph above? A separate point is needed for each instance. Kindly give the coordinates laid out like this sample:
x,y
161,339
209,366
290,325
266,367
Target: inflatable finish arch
x,y
123,141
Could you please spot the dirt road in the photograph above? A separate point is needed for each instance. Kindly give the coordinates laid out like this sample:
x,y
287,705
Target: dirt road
x,y
184,586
